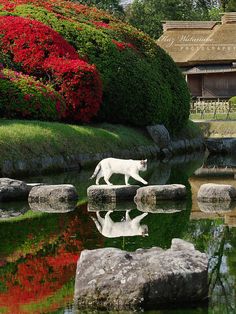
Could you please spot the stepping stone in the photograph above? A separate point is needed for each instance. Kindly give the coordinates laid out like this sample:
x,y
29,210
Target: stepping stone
x,y
141,280
59,192
111,193
211,192
11,189
151,194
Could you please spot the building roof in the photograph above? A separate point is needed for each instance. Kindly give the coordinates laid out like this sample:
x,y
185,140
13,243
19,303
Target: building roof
x,y
196,42
223,68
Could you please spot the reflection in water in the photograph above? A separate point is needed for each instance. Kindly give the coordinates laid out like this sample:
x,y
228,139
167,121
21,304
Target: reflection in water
x,y
128,227
13,209
53,207
39,251
162,206
110,206
216,207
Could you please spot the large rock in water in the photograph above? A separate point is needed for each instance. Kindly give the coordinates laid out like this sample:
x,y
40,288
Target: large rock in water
x,y
112,279
160,135
53,198
111,193
211,192
151,194
11,189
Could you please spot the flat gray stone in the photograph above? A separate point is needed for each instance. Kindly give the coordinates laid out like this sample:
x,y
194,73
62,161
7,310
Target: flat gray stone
x,y
62,193
151,194
11,189
111,193
211,192
112,279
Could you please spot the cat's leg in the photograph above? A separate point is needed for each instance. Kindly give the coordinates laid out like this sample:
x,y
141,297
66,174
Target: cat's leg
x,y
127,217
107,216
107,177
99,227
100,219
136,220
99,176
108,224
138,178
126,179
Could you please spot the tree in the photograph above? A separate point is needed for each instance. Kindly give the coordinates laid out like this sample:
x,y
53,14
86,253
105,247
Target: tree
x,y
148,15
231,6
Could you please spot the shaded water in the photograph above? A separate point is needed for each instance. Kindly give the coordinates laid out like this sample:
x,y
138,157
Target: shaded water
x,y
39,250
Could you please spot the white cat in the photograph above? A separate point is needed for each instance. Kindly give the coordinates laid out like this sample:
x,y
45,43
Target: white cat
x,y
128,167
129,227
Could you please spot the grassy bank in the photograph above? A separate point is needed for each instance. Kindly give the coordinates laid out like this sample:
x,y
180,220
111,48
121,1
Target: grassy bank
x,y
217,129
28,139
24,144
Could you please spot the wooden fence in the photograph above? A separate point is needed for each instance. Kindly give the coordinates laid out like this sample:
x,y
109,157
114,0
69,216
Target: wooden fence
x,y
212,107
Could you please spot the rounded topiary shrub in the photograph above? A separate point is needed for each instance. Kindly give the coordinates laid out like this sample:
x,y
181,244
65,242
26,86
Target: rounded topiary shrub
x,y
21,96
141,83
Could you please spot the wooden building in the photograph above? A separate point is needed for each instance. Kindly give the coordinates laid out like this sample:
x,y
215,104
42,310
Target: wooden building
x,y
206,53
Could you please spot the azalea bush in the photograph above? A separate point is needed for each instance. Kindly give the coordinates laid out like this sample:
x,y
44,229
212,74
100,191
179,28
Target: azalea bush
x,y
140,83
22,96
41,51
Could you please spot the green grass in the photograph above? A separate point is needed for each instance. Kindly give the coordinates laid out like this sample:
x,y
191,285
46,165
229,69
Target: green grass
x,y
219,116
29,139
218,128
190,131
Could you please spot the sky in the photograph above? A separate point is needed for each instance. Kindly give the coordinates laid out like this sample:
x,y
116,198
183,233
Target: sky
x,y
125,2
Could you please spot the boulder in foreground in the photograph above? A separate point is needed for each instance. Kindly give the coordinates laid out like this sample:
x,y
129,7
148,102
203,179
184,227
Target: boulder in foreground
x,y
112,279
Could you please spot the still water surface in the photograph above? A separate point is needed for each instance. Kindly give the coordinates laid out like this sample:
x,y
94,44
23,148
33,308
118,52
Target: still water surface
x,y
39,250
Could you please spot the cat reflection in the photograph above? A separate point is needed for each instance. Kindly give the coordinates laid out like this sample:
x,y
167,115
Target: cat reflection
x,y
128,227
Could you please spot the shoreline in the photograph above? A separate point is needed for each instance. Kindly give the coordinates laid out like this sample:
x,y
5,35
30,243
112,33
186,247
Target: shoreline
x,y
33,148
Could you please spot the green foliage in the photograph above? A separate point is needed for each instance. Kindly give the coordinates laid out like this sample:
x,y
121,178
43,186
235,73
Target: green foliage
x,y
149,15
232,102
231,6
24,97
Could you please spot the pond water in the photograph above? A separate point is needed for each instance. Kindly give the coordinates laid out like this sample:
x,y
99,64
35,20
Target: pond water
x,y
39,250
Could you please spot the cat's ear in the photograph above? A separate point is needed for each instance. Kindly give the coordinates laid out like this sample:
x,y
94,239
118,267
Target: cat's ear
x,y
143,162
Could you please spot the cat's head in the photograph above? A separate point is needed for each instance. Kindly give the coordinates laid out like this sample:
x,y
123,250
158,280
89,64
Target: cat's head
x,y
143,230
143,165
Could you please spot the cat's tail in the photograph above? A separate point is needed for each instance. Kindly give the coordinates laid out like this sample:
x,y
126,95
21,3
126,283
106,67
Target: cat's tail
x,y
97,169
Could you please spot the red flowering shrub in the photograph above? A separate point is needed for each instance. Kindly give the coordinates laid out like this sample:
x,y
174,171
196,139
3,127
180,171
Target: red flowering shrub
x,y
37,48
30,42
80,84
21,96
